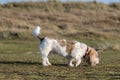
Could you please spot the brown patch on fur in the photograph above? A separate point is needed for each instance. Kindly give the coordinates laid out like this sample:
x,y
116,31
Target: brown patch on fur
x,y
62,42
41,37
69,46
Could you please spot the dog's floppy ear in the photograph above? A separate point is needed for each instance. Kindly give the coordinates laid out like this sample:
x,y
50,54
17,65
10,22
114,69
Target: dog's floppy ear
x,y
92,57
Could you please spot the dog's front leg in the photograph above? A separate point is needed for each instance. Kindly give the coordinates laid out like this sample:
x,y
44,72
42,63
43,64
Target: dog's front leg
x,y
70,61
78,62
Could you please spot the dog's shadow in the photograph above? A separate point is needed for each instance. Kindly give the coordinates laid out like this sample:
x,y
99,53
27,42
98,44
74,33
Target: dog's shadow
x,y
27,63
33,63
20,62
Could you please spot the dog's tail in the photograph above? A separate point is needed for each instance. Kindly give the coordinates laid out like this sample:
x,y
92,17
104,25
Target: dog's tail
x,y
36,33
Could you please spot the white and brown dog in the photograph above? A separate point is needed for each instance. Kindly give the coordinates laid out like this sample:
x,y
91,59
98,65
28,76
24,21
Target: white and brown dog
x,y
72,50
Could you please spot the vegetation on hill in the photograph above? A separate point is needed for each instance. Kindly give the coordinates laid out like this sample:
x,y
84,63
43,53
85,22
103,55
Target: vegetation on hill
x,y
81,20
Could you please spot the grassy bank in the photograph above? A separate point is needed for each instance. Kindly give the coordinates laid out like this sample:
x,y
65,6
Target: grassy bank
x,y
83,20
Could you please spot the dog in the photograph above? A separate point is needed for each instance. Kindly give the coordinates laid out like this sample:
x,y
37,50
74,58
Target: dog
x,y
73,51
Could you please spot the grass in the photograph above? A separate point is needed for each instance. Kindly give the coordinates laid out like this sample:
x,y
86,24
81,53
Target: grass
x,y
95,24
20,60
89,19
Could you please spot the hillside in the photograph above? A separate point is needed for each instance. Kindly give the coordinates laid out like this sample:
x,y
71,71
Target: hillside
x,y
80,20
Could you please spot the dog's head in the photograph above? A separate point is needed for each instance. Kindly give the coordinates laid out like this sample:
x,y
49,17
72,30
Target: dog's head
x,y
91,57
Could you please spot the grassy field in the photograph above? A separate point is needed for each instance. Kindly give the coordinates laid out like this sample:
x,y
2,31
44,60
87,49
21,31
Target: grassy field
x,y
20,60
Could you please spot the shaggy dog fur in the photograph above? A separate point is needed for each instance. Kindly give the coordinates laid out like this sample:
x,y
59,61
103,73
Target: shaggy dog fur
x,y
71,50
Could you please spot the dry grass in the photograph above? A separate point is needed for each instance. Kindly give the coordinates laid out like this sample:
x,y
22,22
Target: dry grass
x,y
60,19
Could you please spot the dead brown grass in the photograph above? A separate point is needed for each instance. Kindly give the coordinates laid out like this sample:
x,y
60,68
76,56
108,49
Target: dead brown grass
x,y
60,19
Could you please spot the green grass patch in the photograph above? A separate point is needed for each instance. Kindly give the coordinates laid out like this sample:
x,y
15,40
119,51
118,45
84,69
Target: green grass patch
x,y
20,60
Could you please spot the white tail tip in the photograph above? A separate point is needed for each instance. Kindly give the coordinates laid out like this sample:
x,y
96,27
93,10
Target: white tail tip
x,y
36,31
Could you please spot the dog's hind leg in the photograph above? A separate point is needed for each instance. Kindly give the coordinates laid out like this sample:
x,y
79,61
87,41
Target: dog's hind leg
x,y
48,62
45,60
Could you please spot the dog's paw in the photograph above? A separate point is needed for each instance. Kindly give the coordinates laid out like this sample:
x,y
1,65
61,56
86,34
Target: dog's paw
x,y
49,64
71,65
45,64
